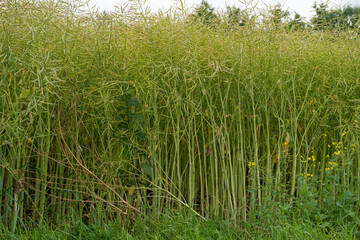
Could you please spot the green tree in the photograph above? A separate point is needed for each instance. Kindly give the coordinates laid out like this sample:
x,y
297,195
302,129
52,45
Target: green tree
x,y
342,18
235,16
278,15
351,16
297,23
204,14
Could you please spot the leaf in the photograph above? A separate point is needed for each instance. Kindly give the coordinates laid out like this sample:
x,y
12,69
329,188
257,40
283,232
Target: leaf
x,y
136,118
147,169
140,135
132,190
121,109
123,126
132,102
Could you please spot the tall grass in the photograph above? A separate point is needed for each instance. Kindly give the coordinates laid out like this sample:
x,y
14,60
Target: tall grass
x,y
133,113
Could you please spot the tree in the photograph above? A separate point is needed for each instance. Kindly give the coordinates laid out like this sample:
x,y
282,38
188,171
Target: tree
x,y
345,18
204,14
352,16
297,23
235,17
278,15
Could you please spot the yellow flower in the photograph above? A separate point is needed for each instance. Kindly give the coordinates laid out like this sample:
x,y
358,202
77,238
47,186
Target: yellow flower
x,y
30,140
251,164
337,153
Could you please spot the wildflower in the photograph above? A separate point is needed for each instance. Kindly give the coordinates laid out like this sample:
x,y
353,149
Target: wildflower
x,y
327,156
344,133
337,153
251,164
30,140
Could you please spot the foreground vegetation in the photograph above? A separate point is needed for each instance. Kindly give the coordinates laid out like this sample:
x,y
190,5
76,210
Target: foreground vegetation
x,y
189,226
122,117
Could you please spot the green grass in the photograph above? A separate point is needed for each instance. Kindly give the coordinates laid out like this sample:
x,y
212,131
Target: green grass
x,y
188,226
105,119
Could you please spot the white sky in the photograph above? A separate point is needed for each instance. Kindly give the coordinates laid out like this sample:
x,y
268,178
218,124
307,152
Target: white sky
x,y
303,7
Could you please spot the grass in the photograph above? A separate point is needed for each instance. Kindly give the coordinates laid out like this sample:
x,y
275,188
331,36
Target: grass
x,y
189,226
115,117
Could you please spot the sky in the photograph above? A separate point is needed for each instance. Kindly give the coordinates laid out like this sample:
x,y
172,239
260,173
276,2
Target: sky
x,y
303,7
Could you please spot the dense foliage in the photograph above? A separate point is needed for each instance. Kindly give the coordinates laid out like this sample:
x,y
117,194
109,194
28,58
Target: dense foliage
x,y
108,116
